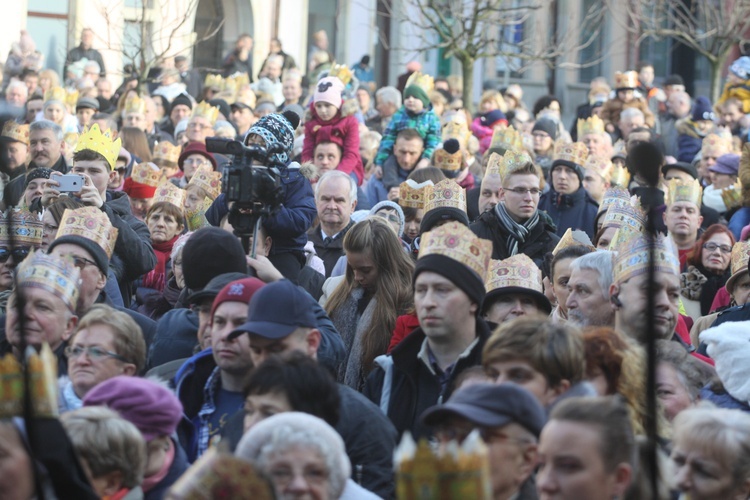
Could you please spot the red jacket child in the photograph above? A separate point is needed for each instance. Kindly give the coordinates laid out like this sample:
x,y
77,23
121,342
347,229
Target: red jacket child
x,y
328,123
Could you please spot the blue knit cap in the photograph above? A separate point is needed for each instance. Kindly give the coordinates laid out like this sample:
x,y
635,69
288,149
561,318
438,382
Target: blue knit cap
x,y
275,129
741,67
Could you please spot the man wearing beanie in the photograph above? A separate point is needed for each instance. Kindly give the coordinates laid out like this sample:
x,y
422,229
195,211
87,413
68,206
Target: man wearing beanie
x,y
568,203
182,106
692,130
289,224
416,114
544,134
448,294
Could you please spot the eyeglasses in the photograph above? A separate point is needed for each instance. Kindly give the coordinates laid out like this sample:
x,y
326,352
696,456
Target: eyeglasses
x,y
121,170
522,191
197,163
82,262
713,246
18,254
94,353
389,217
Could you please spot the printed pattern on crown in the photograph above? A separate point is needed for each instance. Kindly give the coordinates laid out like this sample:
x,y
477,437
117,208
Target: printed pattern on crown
x,y
457,129
716,145
421,80
210,181
517,271
574,152
458,242
90,223
591,125
54,274
680,190
169,193
16,132
166,151
93,139
632,258
205,110
740,255
602,166
612,195
195,218
146,173
507,138
626,80
411,194
627,214
446,161
27,228
445,194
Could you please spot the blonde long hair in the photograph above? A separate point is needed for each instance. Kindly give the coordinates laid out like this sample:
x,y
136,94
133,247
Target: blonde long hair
x,y
393,293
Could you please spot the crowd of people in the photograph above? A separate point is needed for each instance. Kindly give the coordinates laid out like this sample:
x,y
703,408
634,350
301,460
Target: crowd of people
x,y
424,273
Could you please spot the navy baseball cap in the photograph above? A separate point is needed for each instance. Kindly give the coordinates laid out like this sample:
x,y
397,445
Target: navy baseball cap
x,y
491,405
277,310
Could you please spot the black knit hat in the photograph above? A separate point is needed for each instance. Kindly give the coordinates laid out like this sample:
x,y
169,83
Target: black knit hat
x,y
183,99
460,275
38,173
440,214
210,252
97,252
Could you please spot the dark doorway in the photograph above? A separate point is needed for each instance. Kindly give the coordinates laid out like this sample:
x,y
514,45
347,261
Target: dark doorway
x,y
207,55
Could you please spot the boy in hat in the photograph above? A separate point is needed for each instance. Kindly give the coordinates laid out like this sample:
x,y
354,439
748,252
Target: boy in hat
x,y
738,83
417,114
626,85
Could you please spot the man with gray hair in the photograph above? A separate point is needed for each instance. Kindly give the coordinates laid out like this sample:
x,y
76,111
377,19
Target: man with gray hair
x,y
335,200
588,300
16,94
678,107
630,119
46,146
387,102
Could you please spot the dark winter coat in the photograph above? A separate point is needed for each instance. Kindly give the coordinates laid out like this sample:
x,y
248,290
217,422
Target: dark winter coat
x,y
330,253
541,240
571,211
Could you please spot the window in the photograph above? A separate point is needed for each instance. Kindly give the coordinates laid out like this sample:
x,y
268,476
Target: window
x,y
591,55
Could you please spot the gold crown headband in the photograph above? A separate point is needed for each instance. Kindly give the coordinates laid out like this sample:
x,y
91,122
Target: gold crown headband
x,y
169,193
205,110
507,138
592,125
445,194
27,228
458,242
208,180
54,274
90,223
421,80
516,271
411,194
94,140
680,190
632,258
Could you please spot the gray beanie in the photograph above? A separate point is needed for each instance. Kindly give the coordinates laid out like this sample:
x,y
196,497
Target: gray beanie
x,y
392,206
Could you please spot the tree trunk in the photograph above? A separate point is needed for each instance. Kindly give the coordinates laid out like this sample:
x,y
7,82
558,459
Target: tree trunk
x,y
716,66
467,70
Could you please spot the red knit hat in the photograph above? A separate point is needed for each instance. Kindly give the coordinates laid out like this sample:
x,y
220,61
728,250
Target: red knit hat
x,y
137,190
237,291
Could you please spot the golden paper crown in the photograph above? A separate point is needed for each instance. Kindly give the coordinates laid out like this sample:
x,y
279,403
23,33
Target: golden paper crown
x,y
444,160
27,228
169,193
680,190
626,80
16,132
54,274
146,173
573,238
575,152
134,104
90,223
166,152
208,180
71,99
220,475
421,80
620,176
205,110
196,217
411,194
592,125
715,145
612,195
42,379
342,72
507,138
732,195
632,258
602,166
494,165
247,97
457,129
510,162
458,242
445,194
213,81
71,140
740,255
619,149
627,214
231,86
94,140
56,94
457,471
516,271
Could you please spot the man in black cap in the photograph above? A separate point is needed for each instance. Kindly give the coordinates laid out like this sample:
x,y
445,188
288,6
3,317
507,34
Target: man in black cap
x,y
86,108
280,319
242,116
182,106
509,420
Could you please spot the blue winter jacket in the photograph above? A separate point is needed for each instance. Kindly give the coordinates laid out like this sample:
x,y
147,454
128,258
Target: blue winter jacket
x,y
575,211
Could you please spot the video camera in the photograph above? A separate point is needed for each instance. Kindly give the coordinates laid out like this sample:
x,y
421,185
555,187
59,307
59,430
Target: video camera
x,y
251,183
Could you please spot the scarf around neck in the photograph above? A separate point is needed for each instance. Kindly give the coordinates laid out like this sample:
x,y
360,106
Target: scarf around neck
x,y
517,232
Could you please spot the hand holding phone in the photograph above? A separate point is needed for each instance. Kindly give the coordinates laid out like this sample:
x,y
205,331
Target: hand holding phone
x,y
70,183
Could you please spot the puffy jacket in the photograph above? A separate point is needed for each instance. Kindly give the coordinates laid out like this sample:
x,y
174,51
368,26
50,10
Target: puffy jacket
x,y
404,387
574,211
541,240
133,255
190,382
426,123
289,225
689,139
343,129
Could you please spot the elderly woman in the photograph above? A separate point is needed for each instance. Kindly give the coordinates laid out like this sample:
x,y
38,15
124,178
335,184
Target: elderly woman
x,y
106,343
586,450
111,451
711,454
303,455
155,411
679,378
708,270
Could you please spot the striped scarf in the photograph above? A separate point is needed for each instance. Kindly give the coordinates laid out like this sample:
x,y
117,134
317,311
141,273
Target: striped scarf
x,y
517,232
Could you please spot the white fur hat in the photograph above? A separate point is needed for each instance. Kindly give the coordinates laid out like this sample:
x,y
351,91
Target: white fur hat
x,y
729,346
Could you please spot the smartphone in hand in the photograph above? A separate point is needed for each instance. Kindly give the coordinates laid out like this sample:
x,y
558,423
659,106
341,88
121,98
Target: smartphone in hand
x,y
70,183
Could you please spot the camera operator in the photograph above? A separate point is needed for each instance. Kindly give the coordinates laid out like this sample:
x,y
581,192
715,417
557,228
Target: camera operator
x,y
289,224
